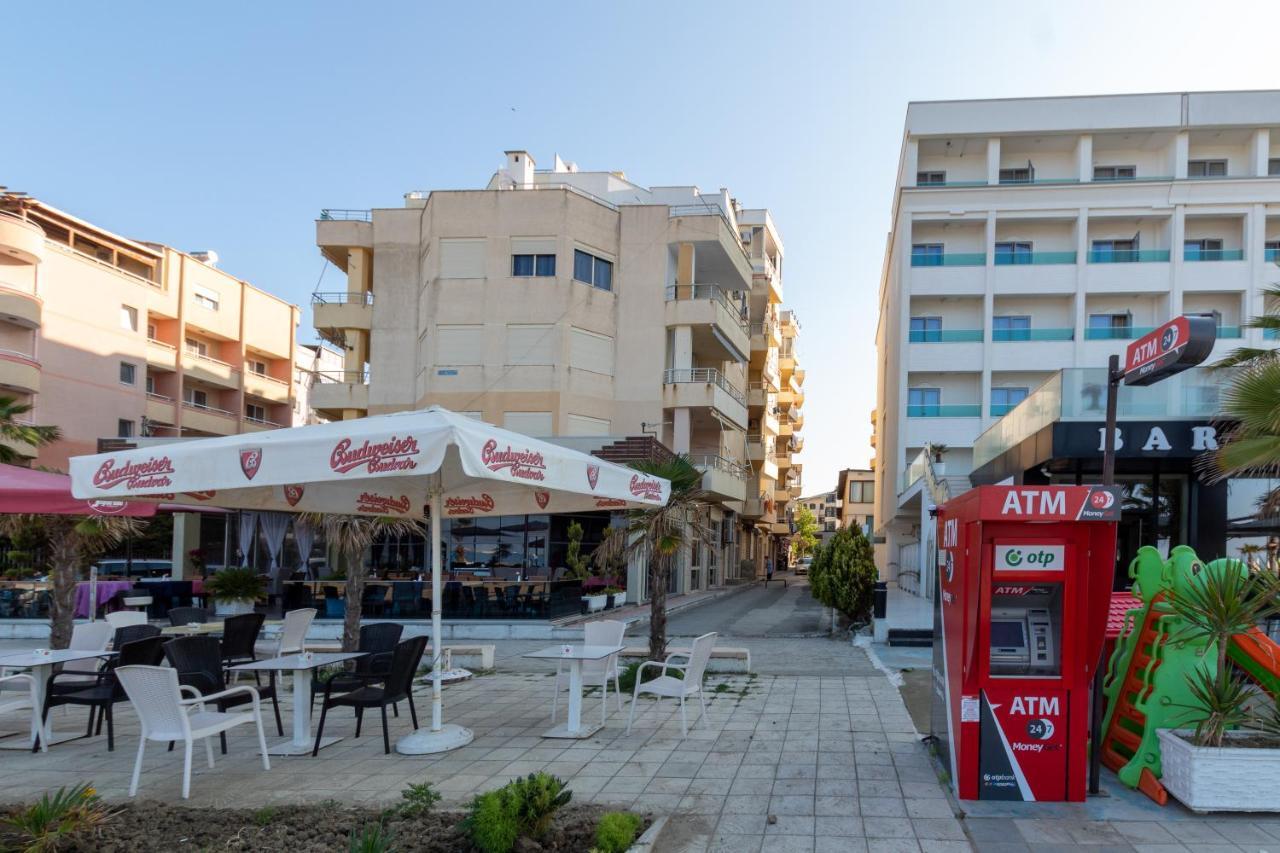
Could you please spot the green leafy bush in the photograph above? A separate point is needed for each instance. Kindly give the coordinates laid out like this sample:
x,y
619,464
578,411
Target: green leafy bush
x,y
522,807
616,832
418,799
236,584
843,574
374,838
44,826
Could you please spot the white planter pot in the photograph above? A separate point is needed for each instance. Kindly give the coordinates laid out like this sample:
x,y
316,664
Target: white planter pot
x,y
1229,779
232,607
595,602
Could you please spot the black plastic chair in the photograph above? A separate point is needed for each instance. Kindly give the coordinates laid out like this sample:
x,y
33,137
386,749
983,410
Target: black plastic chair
x,y
239,636
103,695
133,633
198,661
396,686
179,616
378,640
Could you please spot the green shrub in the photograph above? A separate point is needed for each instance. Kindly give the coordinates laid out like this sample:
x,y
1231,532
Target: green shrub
x,y
45,825
374,838
616,832
522,807
418,799
627,678
264,815
843,574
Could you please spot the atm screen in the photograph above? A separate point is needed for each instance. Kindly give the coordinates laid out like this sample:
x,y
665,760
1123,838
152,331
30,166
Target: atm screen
x,y
1010,635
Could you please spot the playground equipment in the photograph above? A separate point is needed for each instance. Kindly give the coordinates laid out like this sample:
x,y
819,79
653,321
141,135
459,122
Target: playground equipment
x,y
1146,686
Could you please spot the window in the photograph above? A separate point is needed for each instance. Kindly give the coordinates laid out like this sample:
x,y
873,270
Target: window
x,y
197,347
594,271
1021,175
258,367
462,258
255,413
151,332
931,179
523,266
128,373
862,492
1011,328
1106,251
1004,399
150,384
1115,173
926,330
1206,168
1273,166
198,398
129,318
124,429
1013,252
926,255
1203,249
923,402
1108,326
590,351
206,298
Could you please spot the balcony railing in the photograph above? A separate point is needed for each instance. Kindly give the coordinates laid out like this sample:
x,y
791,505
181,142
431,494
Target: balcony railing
x,y
1038,181
1128,256
719,463
262,421
945,336
1230,332
350,377
950,259
1191,253
949,410
981,183
159,398
704,375
1271,255
1014,335
1117,333
712,292
202,407
341,297
1013,259
338,214
267,377
159,343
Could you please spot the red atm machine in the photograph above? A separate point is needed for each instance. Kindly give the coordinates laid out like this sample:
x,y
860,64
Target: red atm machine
x,y
1024,584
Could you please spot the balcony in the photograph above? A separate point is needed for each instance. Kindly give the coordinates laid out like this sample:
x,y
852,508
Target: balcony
x,y
784,425
949,410
689,388
781,496
1004,336
1017,259
267,387
161,409
1117,333
207,419
1230,332
950,259
161,356
337,391
208,369
944,336
334,312
1128,256
19,372
719,327
20,239
1191,253
721,477
780,528
765,336
338,230
20,308
251,424
766,277
760,509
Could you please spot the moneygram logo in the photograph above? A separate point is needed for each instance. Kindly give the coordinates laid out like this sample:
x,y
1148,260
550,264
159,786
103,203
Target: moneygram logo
x,y
394,454
522,464
151,474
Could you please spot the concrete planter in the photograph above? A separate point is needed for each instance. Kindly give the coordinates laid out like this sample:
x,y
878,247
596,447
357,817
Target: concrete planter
x,y
595,602
232,607
1229,779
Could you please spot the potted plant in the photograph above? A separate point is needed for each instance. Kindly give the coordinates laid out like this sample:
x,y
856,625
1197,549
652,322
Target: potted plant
x,y
1229,760
235,590
615,597
579,568
938,453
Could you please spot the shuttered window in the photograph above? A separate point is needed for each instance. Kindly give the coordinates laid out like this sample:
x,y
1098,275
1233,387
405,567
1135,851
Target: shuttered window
x,y
528,423
590,351
585,425
462,258
529,343
460,345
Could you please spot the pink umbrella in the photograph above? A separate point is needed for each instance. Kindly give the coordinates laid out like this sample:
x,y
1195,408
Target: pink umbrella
x,y
24,490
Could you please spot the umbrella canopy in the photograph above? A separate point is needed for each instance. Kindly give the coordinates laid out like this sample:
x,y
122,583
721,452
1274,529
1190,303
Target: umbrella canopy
x,y
23,490
388,465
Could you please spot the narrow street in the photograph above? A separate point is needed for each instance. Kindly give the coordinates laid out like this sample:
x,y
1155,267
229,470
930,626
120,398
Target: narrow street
x,y
775,611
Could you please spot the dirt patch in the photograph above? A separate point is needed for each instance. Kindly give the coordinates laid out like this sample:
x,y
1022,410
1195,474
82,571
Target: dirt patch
x,y
152,827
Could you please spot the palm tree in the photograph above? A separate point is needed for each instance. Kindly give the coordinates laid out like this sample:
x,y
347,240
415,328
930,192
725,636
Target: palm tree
x,y
1270,324
352,535
14,431
1251,445
657,534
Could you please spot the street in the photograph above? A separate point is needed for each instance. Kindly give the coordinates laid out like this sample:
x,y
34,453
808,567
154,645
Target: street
x,y
775,611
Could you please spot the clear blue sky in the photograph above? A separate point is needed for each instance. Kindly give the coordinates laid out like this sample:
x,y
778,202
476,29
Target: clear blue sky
x,y
228,126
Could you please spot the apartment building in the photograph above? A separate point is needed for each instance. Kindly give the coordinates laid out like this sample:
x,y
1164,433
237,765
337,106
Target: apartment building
x,y
312,361
583,307
826,511
110,337
1033,238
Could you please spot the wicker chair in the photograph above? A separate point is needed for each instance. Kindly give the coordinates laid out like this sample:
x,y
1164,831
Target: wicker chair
x,y
396,686
102,696
379,640
239,636
179,616
198,662
133,633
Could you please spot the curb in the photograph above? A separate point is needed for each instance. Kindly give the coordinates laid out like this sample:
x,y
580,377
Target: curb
x,y
643,618
646,842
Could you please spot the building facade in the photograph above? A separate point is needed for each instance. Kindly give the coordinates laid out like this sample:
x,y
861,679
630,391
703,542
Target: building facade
x,y
1032,235
583,307
826,512
311,362
109,337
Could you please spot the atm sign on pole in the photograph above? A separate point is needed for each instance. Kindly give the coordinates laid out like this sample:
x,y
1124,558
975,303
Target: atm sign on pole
x,y
1181,343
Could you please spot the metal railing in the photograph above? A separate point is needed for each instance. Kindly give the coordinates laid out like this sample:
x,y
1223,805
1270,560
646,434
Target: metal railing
x,y
713,292
342,297
262,421
339,214
704,375
719,463
1040,181
349,377
1128,256
203,407
950,259
982,183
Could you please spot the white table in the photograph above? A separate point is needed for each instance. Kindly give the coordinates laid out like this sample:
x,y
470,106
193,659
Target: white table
x,y
301,666
41,667
574,655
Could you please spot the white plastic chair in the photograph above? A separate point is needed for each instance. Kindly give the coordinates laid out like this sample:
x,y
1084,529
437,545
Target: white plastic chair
x,y
86,637
596,673
121,618
166,716
670,687
293,634
18,693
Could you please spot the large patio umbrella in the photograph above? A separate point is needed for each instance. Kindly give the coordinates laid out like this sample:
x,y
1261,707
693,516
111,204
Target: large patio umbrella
x,y
27,491
387,465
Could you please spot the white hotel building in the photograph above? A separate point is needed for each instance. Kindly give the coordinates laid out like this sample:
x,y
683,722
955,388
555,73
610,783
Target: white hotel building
x,y
1031,239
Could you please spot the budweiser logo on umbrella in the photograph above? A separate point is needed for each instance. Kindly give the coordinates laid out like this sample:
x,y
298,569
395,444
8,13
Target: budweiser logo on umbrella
x,y
148,474
468,505
646,487
395,454
373,502
522,464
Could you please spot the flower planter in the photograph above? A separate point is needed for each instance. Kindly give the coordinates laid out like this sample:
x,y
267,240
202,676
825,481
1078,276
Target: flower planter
x,y
232,607
595,602
1209,779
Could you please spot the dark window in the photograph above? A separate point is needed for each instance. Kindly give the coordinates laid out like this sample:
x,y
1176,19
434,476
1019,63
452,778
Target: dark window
x,y
1206,168
1273,166
544,265
594,271
930,179
124,429
254,412
1010,328
923,402
582,266
1004,399
1115,173
1023,175
524,266
128,373
926,329
1013,252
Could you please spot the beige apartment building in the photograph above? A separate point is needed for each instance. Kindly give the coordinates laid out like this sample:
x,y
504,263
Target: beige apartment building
x,y
110,337
582,307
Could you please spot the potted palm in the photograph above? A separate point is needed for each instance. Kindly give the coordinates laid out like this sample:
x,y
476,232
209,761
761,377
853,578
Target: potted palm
x,y
235,590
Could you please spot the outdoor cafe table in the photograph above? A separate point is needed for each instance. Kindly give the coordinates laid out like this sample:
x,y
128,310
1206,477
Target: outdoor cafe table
x,y
575,655
301,666
106,589
41,667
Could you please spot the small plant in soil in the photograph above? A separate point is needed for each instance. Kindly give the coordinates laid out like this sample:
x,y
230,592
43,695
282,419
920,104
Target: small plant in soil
x,y
522,807
418,799
374,838
58,817
616,832
264,815
722,687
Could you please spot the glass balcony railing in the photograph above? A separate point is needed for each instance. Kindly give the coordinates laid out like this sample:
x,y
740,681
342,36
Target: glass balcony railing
x,y
1128,256
914,471
1116,333
1271,334
1014,259
1038,181
999,410
950,410
1230,332
1116,180
977,183
945,336
1192,254
1015,335
1271,255
950,259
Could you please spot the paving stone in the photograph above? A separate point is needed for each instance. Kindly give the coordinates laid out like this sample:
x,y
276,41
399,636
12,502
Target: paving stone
x,y
882,806
791,805
946,829
843,826
887,827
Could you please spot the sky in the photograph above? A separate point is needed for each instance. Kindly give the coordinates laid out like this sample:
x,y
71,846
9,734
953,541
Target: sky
x,y
229,126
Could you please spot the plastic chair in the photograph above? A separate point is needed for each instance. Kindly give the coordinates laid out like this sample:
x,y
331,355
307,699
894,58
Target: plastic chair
x,y
133,633
179,616
85,637
166,716
596,673
239,638
121,618
18,693
379,640
397,686
102,696
198,662
670,687
293,634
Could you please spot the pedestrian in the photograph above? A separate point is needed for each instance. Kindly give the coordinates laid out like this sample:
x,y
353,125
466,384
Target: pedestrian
x,y
768,570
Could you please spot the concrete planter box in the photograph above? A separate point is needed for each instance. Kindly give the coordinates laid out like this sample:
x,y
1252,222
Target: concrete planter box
x,y
1208,779
232,607
595,602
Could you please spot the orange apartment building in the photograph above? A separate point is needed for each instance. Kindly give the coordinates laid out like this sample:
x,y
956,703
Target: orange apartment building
x,y
111,337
